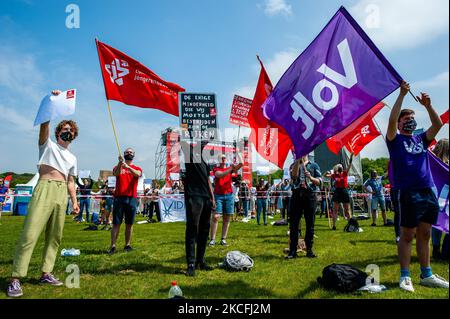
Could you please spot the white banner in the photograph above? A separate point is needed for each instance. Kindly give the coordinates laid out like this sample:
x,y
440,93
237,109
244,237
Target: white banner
x,y
172,208
111,181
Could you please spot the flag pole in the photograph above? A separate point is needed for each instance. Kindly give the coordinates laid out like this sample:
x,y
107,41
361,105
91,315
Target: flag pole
x,y
114,128
107,100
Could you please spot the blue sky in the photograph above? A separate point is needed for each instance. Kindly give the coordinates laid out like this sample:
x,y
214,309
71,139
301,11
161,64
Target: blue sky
x,y
202,45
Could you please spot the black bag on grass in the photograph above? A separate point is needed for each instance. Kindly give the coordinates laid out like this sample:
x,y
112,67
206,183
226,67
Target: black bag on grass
x,y
342,278
352,226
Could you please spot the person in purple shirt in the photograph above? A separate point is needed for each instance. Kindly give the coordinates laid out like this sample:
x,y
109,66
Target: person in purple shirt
x,y
419,206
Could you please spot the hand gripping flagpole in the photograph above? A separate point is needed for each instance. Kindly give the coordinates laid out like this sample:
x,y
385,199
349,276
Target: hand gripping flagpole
x,y
107,100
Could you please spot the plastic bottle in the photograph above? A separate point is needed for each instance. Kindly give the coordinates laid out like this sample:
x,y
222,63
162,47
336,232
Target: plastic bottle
x,y
175,291
70,252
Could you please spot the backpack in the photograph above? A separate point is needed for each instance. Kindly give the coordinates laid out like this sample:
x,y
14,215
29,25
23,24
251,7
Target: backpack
x,y
352,226
237,261
342,278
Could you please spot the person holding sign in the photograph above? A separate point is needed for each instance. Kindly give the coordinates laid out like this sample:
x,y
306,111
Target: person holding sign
x,y
419,206
47,208
223,193
125,198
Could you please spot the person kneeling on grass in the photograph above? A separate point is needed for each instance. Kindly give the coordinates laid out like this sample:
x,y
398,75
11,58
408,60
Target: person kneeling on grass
x,y
47,208
419,207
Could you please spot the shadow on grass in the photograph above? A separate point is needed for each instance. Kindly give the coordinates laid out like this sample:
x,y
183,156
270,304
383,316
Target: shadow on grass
x,y
135,267
229,290
182,260
372,241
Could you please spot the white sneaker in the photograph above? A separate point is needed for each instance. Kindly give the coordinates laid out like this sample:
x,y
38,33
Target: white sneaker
x,y
434,281
406,284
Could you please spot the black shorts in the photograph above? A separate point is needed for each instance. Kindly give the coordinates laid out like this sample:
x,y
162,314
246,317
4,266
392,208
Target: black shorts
x,y
341,195
124,206
418,206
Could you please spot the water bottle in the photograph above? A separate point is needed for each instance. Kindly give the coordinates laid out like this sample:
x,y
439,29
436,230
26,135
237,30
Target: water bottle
x,y
175,291
70,252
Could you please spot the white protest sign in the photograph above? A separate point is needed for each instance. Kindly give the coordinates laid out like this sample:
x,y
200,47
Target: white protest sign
x,y
172,208
84,174
54,106
111,181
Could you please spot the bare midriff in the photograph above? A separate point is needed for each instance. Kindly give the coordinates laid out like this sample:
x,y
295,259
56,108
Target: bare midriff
x,y
48,172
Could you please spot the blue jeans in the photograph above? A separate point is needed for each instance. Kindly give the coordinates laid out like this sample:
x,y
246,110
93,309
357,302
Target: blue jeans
x,y
224,204
84,202
261,205
245,203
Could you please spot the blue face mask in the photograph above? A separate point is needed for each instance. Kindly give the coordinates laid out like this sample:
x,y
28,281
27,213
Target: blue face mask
x,y
409,125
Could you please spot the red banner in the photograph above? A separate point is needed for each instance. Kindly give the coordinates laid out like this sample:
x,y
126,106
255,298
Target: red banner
x,y
128,81
239,111
247,168
271,141
172,155
360,133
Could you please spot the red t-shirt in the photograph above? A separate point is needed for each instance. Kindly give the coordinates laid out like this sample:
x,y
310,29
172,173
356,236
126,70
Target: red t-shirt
x,y
126,182
340,180
222,186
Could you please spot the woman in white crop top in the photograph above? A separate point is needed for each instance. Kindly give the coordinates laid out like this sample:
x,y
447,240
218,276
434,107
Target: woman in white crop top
x,y
47,208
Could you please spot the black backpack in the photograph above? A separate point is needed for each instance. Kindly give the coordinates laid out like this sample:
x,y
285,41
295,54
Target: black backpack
x,y
352,225
342,278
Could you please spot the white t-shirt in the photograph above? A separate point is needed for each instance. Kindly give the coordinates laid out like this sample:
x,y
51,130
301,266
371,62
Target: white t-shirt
x,y
58,157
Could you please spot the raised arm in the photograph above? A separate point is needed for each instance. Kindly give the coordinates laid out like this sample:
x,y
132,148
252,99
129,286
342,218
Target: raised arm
x,y
395,112
224,173
436,122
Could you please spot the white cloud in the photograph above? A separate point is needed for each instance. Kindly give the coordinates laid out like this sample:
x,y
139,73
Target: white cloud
x,y
402,24
280,62
18,121
276,7
440,80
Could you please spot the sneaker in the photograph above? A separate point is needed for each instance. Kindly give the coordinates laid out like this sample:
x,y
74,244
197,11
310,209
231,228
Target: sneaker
x,y
397,240
212,242
128,248
14,289
373,225
50,279
223,242
406,284
291,256
434,281
112,250
334,228
190,272
310,254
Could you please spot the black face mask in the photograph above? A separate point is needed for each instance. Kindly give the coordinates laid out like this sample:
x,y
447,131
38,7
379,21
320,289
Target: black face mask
x,y
129,157
66,136
340,169
409,125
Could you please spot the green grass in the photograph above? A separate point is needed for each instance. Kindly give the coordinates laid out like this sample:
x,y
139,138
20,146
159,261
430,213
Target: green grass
x,y
159,258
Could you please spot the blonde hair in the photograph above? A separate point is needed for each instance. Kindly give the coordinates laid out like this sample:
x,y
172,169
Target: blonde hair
x,y
441,150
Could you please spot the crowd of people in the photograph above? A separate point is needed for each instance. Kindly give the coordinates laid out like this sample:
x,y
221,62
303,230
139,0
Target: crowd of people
x,y
207,199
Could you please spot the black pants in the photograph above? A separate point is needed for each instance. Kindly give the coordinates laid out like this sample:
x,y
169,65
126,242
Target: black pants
x,y
198,216
303,203
285,209
154,206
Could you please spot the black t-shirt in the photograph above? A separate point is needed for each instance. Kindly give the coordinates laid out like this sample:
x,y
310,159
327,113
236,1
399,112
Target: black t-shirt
x,y
197,174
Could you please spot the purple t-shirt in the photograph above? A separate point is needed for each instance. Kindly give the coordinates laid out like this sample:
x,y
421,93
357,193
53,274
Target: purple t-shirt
x,y
410,161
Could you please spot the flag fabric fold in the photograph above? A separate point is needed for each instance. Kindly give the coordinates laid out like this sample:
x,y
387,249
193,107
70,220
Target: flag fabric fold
x,y
128,81
439,172
339,77
270,140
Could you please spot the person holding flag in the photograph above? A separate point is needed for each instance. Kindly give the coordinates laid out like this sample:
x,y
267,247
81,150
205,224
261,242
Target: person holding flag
x,y
307,180
419,207
47,208
341,194
125,198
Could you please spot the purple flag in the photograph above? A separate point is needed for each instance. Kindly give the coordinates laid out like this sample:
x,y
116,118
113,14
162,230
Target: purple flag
x,y
338,78
439,172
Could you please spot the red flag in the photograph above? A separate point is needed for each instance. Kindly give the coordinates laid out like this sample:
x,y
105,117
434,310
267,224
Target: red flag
x,y
444,117
271,140
7,181
360,133
128,81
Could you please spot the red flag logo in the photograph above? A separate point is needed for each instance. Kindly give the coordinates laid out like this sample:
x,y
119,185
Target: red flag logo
x,y
360,133
128,81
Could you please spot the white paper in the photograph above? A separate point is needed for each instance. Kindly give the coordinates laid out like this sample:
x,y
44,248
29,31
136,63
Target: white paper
x,y
54,106
84,174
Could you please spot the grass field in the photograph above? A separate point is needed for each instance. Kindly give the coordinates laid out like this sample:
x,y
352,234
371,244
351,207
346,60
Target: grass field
x,y
159,258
